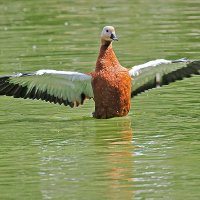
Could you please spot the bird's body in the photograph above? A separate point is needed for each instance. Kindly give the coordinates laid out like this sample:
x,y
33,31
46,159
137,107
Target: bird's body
x,y
110,85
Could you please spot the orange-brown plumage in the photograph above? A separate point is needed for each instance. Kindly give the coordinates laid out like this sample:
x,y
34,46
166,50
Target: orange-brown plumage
x,y
111,84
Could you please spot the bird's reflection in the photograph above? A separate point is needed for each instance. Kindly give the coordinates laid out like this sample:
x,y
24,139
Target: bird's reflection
x,y
120,158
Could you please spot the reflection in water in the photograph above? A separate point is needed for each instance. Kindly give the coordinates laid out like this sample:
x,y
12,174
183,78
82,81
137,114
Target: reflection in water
x,y
121,160
108,169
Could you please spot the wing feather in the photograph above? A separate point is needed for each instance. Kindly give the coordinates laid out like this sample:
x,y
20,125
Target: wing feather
x,y
161,72
62,87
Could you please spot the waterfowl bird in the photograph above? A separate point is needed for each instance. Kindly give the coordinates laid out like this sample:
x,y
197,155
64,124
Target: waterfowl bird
x,y
111,86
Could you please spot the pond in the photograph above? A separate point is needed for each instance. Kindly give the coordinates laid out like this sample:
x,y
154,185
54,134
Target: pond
x,y
49,151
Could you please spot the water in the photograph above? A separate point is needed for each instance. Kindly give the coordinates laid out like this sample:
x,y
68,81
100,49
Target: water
x,y
53,152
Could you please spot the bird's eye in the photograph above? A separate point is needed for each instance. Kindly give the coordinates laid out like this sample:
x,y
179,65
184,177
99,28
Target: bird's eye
x,y
107,30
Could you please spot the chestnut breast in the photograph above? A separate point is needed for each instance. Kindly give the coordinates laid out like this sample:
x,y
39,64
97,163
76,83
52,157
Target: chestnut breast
x,y
112,92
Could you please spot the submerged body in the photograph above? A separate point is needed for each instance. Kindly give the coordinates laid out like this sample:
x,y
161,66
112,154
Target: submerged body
x,y
111,85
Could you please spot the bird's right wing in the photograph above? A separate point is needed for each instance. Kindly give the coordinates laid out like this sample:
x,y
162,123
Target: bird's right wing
x,y
63,87
161,72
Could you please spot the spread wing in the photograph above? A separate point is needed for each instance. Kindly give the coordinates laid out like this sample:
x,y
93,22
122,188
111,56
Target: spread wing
x,y
63,87
161,72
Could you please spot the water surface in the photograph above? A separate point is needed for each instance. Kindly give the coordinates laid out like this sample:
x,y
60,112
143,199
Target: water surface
x,y
53,152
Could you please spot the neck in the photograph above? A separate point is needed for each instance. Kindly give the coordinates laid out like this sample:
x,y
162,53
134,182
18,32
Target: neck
x,y
107,58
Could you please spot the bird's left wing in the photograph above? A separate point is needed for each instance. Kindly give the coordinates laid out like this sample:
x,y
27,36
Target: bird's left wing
x,y
63,87
160,72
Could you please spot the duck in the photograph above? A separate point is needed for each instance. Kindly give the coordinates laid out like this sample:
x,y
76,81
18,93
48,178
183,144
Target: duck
x,y
110,85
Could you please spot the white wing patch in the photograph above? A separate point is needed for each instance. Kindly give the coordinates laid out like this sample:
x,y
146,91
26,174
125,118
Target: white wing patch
x,y
51,71
137,69
161,72
66,86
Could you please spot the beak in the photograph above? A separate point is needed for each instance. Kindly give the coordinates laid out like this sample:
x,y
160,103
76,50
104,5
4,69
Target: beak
x,y
114,37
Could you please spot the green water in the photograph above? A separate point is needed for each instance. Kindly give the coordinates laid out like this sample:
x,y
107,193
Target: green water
x,y
53,152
